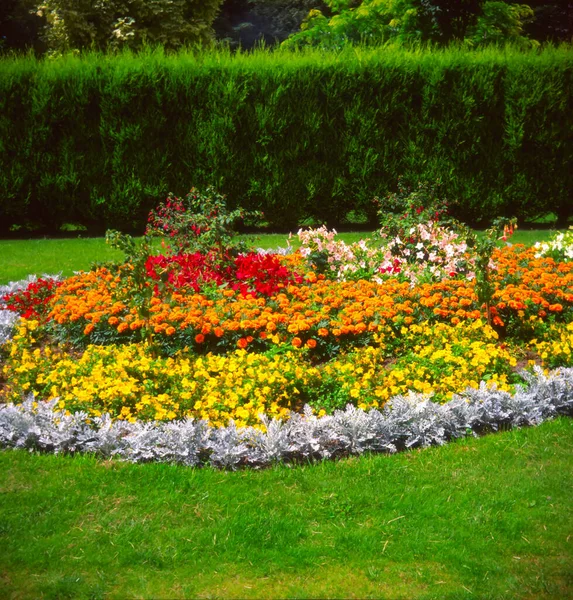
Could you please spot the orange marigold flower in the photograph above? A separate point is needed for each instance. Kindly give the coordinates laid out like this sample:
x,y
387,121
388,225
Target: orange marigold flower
x,y
263,335
249,339
219,331
199,338
556,308
311,343
242,343
296,342
88,329
170,330
323,332
122,327
113,320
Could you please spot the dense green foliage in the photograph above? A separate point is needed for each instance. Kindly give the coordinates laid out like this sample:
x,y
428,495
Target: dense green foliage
x,y
471,22
60,26
246,23
109,24
20,26
101,139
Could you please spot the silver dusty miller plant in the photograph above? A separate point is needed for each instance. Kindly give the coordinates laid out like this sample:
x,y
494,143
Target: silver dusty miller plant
x,y
406,422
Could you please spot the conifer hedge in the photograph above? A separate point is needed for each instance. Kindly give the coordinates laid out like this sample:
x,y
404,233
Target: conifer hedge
x,y
100,139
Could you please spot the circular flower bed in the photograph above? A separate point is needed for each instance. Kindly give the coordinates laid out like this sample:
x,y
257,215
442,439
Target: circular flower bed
x,y
240,340
229,353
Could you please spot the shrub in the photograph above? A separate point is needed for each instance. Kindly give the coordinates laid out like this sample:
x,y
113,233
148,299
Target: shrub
x,y
200,222
100,140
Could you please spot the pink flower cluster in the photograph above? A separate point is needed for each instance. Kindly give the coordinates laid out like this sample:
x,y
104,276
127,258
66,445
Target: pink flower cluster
x,y
427,252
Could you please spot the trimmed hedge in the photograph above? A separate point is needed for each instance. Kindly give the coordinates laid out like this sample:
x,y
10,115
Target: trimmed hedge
x,y
101,139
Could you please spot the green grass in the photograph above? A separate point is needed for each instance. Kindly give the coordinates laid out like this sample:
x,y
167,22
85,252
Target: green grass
x,y
24,257
478,518
21,258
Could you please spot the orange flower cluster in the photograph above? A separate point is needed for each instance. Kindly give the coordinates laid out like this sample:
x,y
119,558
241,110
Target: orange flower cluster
x,y
320,314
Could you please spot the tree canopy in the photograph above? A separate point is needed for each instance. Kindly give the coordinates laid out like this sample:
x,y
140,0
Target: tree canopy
x,y
110,24
472,22
59,26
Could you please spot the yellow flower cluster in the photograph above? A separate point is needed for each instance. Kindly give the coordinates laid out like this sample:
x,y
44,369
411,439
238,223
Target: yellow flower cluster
x,y
437,359
128,382
558,350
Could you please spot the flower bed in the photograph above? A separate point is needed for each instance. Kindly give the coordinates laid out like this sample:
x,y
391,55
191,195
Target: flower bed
x,y
223,338
229,355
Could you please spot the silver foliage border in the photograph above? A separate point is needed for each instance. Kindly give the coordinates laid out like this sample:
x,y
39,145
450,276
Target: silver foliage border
x,y
406,422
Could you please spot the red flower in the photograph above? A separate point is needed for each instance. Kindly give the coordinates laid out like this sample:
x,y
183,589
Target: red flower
x,y
32,302
256,274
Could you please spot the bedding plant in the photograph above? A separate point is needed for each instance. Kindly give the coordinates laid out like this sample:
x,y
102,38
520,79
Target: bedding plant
x,y
212,331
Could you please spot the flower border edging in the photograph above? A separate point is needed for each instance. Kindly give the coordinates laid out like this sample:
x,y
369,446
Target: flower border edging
x,y
406,422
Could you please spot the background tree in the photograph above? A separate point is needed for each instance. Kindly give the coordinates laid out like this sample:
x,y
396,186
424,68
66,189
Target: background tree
x,y
444,21
473,22
502,22
553,21
369,21
20,26
64,25
104,24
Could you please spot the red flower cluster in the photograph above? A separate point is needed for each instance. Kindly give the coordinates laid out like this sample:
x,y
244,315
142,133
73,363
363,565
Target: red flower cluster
x,y
32,301
393,270
257,274
262,274
184,270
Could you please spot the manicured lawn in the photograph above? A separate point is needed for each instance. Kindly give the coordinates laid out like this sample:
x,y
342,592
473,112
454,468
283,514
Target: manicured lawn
x,y
21,258
478,518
